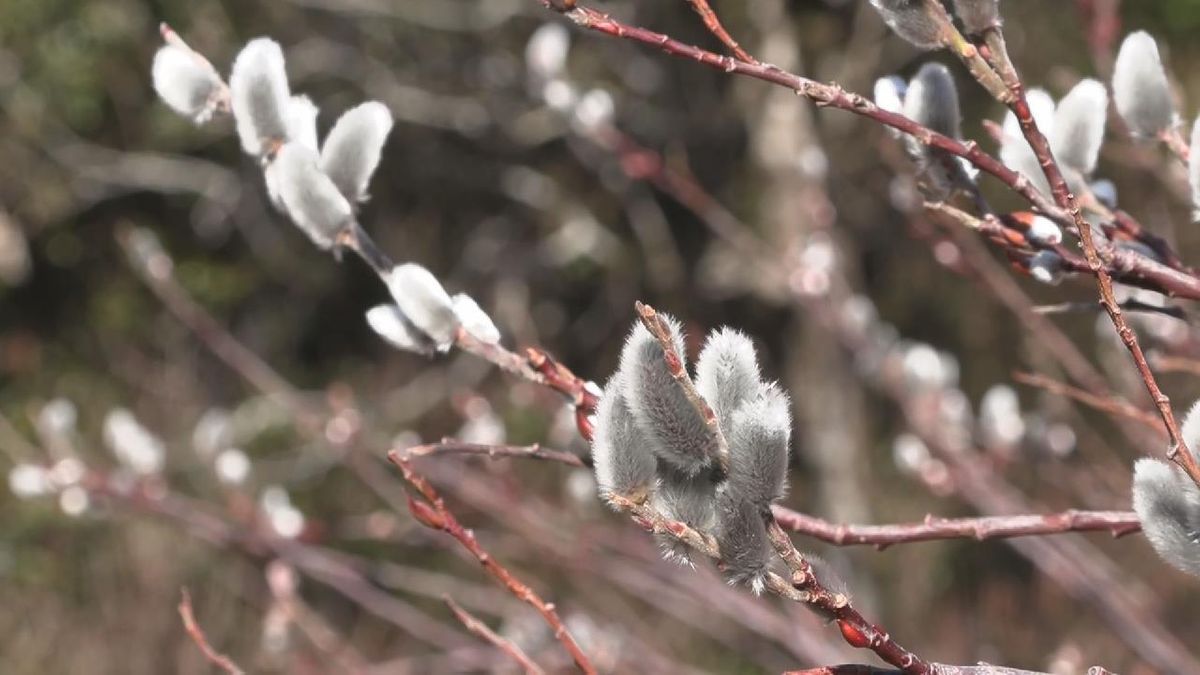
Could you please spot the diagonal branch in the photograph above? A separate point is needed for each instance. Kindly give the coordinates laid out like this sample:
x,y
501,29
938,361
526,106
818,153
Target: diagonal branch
x,y
473,624
433,513
194,630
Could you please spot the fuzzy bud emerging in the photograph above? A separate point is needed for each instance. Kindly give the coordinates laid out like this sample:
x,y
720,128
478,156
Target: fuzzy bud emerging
x,y
758,448
391,324
727,374
353,148
422,299
1168,505
742,536
1140,87
260,94
1079,126
978,15
186,81
911,20
474,320
620,452
308,196
678,433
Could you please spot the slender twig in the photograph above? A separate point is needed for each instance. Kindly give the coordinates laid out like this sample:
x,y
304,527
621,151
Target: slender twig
x,y
473,624
449,446
194,630
714,26
1116,523
1112,405
1131,305
1175,364
433,513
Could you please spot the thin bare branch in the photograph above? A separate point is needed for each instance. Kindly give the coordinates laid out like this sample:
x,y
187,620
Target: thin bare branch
x,y
473,624
433,513
194,630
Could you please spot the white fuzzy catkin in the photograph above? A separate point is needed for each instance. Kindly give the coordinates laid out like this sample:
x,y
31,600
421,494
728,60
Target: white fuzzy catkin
x,y
354,146
1167,503
474,320
1079,126
422,299
889,95
621,453
308,196
1194,169
134,447
302,121
911,20
260,96
758,448
1140,87
391,324
546,51
978,15
932,100
727,373
678,432
186,82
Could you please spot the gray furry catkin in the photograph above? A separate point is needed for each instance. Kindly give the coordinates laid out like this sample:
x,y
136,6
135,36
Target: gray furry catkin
x,y
677,431
742,536
758,448
727,373
621,453
1168,505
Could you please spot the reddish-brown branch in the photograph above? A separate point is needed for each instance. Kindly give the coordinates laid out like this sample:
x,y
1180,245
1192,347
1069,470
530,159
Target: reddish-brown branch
x,y
1178,452
714,26
1176,143
194,630
1110,404
1116,523
433,513
855,629
449,446
473,624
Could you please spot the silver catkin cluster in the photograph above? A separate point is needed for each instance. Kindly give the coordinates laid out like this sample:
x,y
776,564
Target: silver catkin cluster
x,y
921,24
652,443
318,186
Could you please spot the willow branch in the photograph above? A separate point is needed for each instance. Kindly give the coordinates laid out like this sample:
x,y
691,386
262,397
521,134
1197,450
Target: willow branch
x,y
433,513
473,624
933,528
449,446
1112,405
709,17
194,630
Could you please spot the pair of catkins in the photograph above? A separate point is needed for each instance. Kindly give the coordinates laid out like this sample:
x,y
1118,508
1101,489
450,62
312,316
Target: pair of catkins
x,y
653,443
